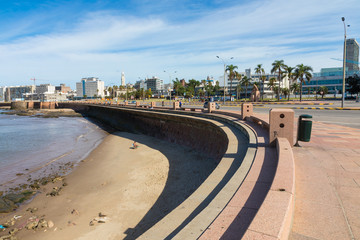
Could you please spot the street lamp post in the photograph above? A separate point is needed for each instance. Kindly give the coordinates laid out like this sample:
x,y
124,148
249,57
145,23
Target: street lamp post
x,y
224,73
344,64
170,82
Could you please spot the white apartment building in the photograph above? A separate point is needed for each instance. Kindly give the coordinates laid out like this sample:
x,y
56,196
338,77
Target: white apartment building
x,y
45,88
91,87
2,94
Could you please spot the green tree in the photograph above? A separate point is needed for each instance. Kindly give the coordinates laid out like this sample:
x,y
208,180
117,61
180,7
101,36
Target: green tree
x,y
323,90
238,90
286,92
303,73
272,83
354,84
278,66
295,87
231,68
245,81
260,70
290,72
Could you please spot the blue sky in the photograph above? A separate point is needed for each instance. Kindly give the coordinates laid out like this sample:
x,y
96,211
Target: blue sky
x,y
61,41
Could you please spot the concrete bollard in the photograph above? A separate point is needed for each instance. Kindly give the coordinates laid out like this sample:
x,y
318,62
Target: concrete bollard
x,y
175,105
153,104
281,125
246,110
211,107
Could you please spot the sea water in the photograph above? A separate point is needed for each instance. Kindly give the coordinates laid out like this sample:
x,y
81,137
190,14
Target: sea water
x,y
37,145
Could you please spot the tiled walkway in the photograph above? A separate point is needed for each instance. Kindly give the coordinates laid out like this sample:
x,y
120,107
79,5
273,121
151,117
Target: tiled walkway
x,y
327,199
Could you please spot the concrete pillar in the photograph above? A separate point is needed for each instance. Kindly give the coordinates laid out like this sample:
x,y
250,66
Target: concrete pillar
x,y
52,105
30,105
44,105
281,125
211,107
246,110
153,104
19,105
175,105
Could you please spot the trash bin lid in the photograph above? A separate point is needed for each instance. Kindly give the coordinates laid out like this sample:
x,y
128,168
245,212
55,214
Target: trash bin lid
x,y
305,116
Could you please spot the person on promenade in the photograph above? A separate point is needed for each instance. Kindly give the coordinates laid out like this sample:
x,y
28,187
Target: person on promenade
x,y
135,145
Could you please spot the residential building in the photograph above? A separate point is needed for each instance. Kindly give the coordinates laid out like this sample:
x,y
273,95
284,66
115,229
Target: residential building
x,y
19,92
141,84
45,88
62,88
2,94
91,87
352,55
156,85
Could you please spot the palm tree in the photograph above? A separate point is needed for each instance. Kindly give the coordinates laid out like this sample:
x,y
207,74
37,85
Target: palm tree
x,y
259,70
294,88
245,81
231,68
290,73
286,92
263,78
303,72
238,90
271,84
278,66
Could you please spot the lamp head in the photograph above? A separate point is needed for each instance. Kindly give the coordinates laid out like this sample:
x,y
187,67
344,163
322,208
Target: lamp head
x,y
343,19
217,56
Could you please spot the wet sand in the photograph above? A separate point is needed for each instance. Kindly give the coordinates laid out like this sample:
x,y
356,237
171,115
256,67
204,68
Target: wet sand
x,y
133,187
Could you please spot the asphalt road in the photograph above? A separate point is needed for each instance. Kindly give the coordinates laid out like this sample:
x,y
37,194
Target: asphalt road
x,y
349,118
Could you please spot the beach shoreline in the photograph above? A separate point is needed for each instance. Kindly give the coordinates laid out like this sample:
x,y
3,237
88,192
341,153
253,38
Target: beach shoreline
x,y
114,193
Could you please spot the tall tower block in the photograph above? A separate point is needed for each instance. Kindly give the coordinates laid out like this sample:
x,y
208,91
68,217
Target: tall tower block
x,y
122,79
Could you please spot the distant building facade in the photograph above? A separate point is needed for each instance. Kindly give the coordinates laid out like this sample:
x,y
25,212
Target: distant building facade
x,y
45,88
62,88
331,78
141,84
91,87
18,93
352,54
156,85
123,79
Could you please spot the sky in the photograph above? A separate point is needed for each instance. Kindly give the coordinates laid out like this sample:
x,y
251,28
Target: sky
x,y
62,41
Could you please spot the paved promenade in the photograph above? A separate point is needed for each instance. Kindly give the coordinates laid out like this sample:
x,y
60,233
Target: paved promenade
x,y
327,178
327,199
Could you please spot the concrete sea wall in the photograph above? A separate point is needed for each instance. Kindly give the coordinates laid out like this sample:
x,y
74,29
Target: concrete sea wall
x,y
200,135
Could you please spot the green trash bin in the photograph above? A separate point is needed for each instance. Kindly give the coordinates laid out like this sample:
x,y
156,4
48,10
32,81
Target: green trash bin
x,y
304,129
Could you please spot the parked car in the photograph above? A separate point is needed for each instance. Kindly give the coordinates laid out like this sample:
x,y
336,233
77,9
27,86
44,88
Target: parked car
x,y
217,106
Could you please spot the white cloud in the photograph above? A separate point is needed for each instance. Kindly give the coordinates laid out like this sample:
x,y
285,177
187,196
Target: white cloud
x,y
103,44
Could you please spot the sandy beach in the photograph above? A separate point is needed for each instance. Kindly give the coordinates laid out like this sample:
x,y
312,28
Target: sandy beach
x,y
117,192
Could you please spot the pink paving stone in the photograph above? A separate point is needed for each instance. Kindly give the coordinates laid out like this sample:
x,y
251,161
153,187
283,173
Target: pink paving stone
x,y
350,197
230,226
271,216
353,218
319,221
251,235
342,181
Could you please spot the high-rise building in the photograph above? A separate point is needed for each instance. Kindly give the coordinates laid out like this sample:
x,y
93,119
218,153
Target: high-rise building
x,y
123,79
352,54
91,87
155,84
